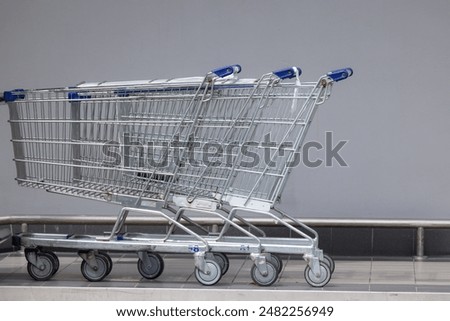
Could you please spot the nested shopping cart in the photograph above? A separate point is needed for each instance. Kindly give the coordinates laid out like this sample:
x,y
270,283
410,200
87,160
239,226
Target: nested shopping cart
x,y
215,146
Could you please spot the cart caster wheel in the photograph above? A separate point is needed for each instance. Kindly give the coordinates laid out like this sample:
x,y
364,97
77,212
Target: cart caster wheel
x,y
322,280
98,274
212,277
55,260
153,271
265,280
223,261
277,262
328,260
45,271
108,260
50,253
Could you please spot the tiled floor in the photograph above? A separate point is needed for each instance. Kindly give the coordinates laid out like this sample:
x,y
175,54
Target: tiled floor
x,y
366,275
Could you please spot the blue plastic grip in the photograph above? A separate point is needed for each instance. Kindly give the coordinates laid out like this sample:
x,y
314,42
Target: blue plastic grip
x,y
340,74
123,92
13,95
74,96
227,70
287,73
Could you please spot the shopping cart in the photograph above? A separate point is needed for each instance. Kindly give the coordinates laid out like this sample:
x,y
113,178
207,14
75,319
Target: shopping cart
x,y
216,146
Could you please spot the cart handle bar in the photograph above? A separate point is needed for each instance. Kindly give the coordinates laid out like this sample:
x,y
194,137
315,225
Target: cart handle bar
x,y
12,95
227,70
286,73
340,74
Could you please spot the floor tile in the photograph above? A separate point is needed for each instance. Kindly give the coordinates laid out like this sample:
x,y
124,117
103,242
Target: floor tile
x,y
354,274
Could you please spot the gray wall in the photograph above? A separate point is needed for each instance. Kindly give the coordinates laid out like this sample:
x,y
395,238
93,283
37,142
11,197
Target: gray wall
x,y
394,111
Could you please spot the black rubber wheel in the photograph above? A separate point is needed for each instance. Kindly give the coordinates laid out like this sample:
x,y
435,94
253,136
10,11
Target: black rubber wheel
x,y
55,260
223,261
264,280
98,274
44,271
108,260
153,271
330,262
277,262
212,277
322,280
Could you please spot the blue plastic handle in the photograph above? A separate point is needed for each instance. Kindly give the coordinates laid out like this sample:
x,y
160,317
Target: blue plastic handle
x,y
287,73
13,95
74,96
227,70
340,74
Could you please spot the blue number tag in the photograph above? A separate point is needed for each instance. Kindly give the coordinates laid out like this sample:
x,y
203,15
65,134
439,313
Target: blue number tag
x,y
245,248
194,248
